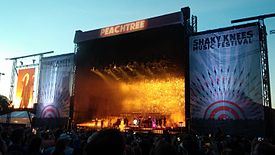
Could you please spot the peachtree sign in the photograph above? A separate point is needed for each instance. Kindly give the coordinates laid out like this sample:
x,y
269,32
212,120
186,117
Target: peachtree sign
x,y
123,28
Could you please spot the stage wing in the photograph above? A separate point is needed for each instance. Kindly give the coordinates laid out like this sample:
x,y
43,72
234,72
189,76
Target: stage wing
x,y
55,86
225,75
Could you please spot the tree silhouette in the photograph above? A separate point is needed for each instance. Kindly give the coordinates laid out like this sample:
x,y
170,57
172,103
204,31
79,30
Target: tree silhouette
x,y
4,103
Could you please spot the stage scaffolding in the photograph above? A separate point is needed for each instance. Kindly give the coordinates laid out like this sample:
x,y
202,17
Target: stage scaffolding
x,y
265,69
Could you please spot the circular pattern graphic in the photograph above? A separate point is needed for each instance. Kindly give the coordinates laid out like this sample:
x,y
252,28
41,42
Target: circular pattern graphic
x,y
226,92
50,111
223,110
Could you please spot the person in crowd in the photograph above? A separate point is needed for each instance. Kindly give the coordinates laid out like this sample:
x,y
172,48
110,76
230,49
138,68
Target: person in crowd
x,y
164,148
106,142
61,147
3,144
35,146
262,147
190,143
17,145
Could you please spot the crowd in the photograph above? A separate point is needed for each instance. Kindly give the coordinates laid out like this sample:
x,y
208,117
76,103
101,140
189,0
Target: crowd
x,y
27,141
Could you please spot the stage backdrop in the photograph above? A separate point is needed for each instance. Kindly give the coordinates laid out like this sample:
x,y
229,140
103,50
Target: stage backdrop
x,y
24,89
225,77
55,86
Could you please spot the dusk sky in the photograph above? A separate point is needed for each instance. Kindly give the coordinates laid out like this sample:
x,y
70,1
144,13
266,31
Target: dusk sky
x,y
31,26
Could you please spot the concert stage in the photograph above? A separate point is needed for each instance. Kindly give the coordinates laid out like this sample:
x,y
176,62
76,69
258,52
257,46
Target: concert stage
x,y
132,74
157,74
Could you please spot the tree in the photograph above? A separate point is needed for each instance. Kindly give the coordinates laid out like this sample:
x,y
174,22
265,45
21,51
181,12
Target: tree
x,y
4,103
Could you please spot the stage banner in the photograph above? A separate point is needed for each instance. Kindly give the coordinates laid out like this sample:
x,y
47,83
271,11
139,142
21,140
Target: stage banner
x,y
55,86
24,89
225,74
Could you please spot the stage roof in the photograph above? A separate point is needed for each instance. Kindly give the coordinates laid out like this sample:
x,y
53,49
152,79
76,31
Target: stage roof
x,y
139,25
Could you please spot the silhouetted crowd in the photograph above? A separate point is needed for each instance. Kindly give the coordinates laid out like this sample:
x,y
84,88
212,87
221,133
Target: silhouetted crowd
x,y
27,141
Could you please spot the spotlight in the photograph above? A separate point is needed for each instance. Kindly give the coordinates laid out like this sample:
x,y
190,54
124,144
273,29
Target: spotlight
x,y
21,62
33,61
135,122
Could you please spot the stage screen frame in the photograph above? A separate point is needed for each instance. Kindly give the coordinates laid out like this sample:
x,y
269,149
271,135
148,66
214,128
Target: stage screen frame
x,y
24,88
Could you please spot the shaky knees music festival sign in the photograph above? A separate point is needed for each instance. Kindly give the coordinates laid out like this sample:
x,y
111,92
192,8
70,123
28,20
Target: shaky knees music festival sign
x,y
55,86
225,75
220,41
